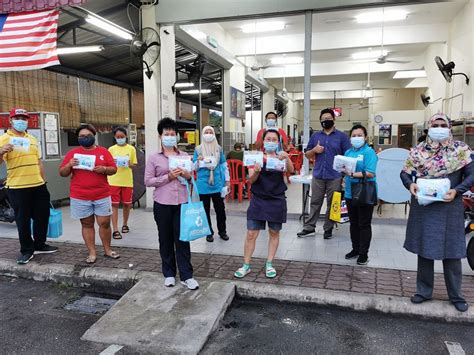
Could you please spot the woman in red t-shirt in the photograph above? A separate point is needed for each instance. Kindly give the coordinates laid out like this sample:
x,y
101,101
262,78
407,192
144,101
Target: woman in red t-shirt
x,y
90,192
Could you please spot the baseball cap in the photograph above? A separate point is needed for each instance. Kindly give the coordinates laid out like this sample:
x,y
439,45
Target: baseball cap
x,y
19,112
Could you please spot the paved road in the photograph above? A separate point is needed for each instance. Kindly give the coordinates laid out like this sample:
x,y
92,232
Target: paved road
x,y
254,327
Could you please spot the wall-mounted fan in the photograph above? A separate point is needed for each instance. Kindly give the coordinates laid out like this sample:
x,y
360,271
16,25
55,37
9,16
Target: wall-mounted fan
x,y
145,46
447,70
426,100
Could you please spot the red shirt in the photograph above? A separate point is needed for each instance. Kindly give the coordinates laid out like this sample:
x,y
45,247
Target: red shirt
x,y
88,185
281,131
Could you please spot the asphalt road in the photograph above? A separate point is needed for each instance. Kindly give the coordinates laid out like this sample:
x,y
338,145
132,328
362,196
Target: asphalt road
x,y
256,327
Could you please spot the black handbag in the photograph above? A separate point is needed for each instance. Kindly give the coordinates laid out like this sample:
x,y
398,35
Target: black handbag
x,y
364,192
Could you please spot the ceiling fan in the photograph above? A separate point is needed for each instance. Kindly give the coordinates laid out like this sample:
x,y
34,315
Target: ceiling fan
x,y
426,100
447,70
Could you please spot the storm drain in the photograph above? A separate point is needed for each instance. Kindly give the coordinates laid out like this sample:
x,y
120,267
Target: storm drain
x,y
91,305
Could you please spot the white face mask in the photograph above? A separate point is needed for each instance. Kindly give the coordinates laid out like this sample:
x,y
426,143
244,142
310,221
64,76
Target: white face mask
x,y
438,134
208,137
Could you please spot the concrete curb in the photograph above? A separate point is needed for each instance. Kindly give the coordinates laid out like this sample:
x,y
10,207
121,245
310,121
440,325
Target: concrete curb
x,y
123,279
438,310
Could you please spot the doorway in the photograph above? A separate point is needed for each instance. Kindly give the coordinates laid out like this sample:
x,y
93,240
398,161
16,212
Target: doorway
x,y
405,136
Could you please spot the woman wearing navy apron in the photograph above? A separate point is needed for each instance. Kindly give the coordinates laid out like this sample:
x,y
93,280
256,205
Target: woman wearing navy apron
x,y
268,203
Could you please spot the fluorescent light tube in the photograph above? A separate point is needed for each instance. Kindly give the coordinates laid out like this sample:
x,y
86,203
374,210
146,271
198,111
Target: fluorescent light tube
x,y
183,85
79,49
409,74
263,27
195,92
379,16
109,27
286,60
219,103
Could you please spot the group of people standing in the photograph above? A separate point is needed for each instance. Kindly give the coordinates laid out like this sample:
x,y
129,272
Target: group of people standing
x,y
434,232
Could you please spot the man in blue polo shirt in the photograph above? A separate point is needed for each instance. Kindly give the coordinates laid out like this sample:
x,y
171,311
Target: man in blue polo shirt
x,y
324,146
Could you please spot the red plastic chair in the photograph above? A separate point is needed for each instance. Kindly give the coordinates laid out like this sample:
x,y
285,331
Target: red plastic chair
x,y
238,179
297,160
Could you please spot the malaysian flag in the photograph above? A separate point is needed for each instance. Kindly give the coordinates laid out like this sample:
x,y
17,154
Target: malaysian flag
x,y
28,40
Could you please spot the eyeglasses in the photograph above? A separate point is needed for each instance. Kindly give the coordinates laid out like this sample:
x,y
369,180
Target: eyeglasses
x,y
444,125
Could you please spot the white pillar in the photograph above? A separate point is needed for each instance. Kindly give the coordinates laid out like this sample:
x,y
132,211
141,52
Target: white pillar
x,y
159,98
268,102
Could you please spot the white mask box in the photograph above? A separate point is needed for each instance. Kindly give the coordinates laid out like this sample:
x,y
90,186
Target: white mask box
x,y
20,144
344,164
180,162
207,162
432,190
86,162
122,162
252,158
275,164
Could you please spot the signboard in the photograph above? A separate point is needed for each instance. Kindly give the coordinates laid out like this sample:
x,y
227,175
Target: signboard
x,y
237,103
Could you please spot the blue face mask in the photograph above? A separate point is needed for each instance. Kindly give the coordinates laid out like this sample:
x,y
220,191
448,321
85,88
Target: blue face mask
x,y
357,142
121,141
87,141
270,147
168,141
438,134
271,122
20,125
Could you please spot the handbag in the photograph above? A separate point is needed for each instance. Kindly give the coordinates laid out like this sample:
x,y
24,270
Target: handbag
x,y
193,223
338,212
55,223
364,192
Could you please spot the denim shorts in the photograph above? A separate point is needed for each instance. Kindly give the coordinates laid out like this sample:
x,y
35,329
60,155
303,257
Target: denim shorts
x,y
85,208
253,224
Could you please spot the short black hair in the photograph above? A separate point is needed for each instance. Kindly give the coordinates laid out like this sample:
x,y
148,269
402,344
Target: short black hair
x,y
358,126
89,127
167,123
271,113
425,131
271,131
327,110
237,145
120,129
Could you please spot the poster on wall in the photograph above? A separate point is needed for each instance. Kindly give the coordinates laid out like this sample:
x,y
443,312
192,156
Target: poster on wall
x,y
237,103
385,134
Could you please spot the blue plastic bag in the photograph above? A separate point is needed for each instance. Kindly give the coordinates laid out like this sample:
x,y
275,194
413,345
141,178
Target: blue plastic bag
x,y
55,224
193,224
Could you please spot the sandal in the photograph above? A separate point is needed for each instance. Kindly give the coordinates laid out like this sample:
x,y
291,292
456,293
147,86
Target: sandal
x,y
244,270
112,255
270,271
116,235
125,229
91,259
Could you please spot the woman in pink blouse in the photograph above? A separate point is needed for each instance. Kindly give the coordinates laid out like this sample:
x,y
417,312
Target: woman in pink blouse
x,y
170,193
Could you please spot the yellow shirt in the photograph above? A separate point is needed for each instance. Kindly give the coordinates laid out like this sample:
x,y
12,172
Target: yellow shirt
x,y
124,175
23,167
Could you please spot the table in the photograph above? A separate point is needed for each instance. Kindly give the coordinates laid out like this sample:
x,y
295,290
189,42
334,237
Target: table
x,y
305,181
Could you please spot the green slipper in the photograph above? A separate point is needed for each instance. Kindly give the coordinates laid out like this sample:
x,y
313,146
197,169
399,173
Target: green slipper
x,y
241,272
270,271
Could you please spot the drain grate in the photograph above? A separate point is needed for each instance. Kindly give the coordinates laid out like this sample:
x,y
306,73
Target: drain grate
x,y
91,305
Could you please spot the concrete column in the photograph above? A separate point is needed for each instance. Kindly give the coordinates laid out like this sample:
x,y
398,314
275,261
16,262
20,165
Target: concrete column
x,y
268,102
307,83
158,95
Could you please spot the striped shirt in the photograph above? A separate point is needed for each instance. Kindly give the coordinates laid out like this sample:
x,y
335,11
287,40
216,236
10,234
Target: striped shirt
x,y
23,168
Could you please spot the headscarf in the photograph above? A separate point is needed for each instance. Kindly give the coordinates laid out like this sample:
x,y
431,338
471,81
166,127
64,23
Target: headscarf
x,y
210,150
430,159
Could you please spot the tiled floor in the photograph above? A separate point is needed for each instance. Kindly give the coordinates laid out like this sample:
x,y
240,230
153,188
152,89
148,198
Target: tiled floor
x,y
386,250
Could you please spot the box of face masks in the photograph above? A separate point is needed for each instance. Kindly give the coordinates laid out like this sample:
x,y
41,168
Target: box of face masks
x,y
252,158
432,190
207,162
183,162
20,144
86,162
122,162
276,164
344,164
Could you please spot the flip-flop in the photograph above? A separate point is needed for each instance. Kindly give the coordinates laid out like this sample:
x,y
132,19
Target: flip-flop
x,y
91,259
125,229
116,235
112,255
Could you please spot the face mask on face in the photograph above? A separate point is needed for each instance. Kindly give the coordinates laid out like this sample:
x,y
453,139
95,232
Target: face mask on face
x,y
357,142
121,141
86,141
168,141
438,134
208,137
327,124
270,147
271,122
20,125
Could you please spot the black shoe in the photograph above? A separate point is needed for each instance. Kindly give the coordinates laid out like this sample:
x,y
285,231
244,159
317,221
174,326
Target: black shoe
x,y
417,299
210,238
353,254
362,260
224,237
304,233
47,249
24,259
461,306
328,234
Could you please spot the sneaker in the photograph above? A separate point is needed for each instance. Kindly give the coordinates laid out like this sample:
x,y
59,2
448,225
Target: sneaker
x,y
24,259
417,299
353,254
224,237
191,284
362,260
304,233
328,234
461,306
210,238
46,249
170,281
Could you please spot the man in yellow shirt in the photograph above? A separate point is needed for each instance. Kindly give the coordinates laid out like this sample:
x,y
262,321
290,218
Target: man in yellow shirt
x,y
26,185
121,184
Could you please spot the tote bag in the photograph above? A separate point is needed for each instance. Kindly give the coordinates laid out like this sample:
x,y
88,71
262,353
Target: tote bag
x,y
193,224
55,223
364,192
